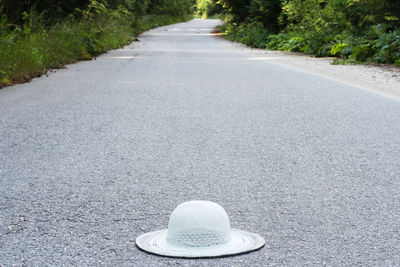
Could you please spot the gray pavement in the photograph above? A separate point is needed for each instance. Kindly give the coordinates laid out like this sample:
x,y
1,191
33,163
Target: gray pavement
x,y
94,155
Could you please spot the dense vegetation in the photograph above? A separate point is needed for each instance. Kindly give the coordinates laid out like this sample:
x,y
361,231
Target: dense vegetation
x,y
37,35
355,30
209,8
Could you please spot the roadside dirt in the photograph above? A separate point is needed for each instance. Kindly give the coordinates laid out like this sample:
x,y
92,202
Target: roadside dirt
x,y
381,79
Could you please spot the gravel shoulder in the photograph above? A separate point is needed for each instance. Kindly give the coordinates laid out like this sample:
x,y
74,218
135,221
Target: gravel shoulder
x,y
380,79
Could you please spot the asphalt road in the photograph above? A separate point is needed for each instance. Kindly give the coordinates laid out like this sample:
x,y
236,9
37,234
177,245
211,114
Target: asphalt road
x,y
96,154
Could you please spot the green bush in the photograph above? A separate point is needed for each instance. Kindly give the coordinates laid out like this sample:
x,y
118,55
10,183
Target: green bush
x,y
251,34
30,49
359,31
379,44
208,8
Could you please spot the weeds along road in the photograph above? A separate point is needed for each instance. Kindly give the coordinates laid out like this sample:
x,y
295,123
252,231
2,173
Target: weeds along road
x,y
100,152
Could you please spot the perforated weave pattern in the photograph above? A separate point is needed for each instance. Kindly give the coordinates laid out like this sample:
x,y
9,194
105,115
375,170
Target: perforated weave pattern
x,y
199,239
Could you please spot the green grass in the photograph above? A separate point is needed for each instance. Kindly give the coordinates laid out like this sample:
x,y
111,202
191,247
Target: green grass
x,y
30,50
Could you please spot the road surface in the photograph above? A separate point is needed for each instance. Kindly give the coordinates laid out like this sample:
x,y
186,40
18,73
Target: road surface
x,y
96,154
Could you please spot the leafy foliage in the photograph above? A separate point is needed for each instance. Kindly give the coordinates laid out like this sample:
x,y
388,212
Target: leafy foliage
x,y
358,30
251,34
39,35
208,8
172,7
55,10
265,12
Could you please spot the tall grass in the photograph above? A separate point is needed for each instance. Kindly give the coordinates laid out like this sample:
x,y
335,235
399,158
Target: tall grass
x,y
29,50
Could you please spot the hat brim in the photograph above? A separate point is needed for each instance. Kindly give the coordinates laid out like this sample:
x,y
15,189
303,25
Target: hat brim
x,y
241,242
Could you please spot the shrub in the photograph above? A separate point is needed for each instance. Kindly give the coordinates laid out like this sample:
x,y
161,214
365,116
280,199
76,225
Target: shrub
x,y
32,48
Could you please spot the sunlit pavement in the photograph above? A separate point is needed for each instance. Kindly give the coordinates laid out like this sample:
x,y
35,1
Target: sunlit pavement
x,y
96,154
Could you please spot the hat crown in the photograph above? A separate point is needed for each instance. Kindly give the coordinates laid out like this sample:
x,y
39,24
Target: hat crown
x,y
198,224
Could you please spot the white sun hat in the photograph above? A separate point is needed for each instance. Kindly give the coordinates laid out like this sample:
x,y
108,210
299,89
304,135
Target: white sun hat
x,y
199,229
